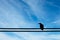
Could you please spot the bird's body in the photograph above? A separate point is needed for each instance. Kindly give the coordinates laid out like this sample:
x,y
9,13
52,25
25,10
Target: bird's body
x,y
41,26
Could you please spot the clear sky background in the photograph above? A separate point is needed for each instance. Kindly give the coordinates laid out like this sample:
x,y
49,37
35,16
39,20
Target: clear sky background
x,y
27,14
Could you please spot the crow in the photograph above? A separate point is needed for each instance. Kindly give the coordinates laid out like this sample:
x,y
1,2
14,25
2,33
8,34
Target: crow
x,y
41,26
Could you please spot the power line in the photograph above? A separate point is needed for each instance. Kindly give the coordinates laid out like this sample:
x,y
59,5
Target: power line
x,y
29,30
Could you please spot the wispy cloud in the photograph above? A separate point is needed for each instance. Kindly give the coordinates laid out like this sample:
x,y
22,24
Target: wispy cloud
x,y
25,13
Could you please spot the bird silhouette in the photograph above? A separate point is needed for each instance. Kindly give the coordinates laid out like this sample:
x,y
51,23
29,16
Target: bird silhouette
x,y
41,26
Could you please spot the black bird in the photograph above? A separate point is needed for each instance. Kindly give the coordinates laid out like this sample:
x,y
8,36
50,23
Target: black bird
x,y
41,26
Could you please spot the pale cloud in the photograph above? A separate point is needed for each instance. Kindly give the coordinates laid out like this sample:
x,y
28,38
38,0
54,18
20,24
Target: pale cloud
x,y
57,22
52,4
28,36
7,37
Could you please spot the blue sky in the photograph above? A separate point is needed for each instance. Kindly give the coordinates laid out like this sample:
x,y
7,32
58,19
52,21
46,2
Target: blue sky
x,y
27,14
